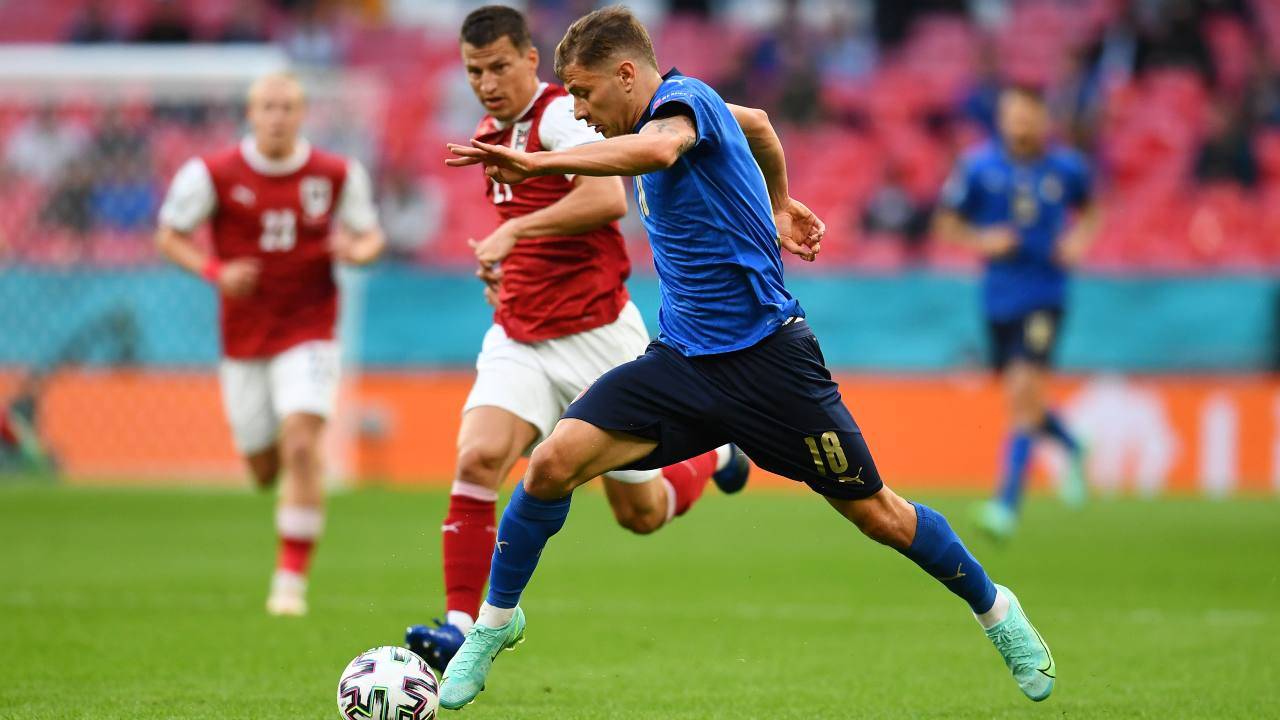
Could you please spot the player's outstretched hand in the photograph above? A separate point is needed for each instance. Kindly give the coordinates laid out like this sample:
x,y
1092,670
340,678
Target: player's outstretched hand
x,y
497,246
800,231
239,277
503,164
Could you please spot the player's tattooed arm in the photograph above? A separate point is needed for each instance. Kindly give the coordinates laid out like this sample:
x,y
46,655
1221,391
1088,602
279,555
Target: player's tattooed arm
x,y
677,129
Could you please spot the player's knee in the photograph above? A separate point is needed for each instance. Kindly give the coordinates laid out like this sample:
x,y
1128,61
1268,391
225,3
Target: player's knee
x,y
480,465
299,450
551,471
1028,412
641,521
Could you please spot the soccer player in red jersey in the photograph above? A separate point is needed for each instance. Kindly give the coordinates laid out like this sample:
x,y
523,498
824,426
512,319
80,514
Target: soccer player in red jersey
x,y
281,213
555,269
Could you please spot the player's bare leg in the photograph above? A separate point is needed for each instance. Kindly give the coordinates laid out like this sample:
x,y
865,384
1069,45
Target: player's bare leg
x,y
641,508
884,517
264,467
1027,385
923,535
576,452
1026,388
300,512
645,500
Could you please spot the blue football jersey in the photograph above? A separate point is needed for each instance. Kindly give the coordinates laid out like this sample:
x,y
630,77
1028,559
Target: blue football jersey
x,y
715,245
989,188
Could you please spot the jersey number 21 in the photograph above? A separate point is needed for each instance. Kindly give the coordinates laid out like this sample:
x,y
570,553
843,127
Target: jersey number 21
x,y
501,192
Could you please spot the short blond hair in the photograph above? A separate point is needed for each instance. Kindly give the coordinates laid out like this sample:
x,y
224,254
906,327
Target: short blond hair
x,y
277,76
601,35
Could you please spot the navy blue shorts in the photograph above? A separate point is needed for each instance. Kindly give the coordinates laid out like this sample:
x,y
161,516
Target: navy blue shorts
x,y
1032,337
775,400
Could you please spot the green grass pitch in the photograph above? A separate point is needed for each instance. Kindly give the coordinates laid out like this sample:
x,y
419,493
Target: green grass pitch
x,y
148,604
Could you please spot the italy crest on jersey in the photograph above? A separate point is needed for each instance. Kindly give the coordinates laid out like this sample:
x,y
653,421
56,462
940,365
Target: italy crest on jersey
x,y
316,196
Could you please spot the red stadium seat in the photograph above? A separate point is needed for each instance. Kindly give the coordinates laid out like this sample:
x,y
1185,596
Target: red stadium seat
x,y
1232,49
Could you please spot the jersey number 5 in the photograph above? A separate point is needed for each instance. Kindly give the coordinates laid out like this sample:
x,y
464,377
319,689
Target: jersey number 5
x,y
279,231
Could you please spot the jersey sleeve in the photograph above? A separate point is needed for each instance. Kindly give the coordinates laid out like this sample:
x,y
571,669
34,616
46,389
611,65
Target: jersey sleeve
x,y
355,207
700,101
960,192
560,130
191,198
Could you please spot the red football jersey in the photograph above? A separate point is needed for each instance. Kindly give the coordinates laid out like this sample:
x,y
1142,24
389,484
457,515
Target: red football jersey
x,y
284,220
552,286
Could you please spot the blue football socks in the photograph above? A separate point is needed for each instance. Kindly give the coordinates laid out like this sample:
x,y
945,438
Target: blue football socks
x,y
527,524
938,551
1017,457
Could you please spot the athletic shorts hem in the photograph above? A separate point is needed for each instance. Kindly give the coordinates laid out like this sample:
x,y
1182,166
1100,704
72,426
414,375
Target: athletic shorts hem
x,y
652,433
844,491
540,426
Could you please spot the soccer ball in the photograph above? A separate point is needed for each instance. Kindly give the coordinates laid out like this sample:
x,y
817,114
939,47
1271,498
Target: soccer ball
x,y
390,683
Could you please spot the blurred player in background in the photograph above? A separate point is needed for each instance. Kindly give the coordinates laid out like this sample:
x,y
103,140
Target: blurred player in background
x,y
281,213
1025,205
736,359
555,270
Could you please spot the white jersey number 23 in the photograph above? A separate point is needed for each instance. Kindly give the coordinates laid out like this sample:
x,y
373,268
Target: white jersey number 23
x,y
279,231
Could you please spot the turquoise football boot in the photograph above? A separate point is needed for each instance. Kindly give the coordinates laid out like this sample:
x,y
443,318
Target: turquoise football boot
x,y
464,677
997,520
1024,651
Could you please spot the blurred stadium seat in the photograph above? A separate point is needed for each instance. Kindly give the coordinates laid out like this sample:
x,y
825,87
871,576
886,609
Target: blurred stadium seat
x,y
84,162
906,114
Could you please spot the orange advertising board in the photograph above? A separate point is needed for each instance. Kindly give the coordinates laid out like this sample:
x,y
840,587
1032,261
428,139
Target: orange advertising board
x,y
1216,435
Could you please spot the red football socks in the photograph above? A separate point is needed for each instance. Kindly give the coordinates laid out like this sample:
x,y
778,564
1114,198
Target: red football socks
x,y
469,532
688,479
298,528
295,555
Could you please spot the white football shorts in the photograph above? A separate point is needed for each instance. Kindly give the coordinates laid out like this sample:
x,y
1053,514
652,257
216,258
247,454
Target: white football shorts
x,y
537,381
258,394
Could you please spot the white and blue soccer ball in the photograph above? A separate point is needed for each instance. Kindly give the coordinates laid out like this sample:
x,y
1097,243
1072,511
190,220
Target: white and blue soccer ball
x,y
388,682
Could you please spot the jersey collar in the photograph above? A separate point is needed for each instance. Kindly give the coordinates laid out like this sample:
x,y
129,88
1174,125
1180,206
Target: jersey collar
x,y
264,165
501,125
648,109
1013,161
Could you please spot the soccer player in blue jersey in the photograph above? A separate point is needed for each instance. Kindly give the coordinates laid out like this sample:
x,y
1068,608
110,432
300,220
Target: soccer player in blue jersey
x,y
735,360
1025,205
